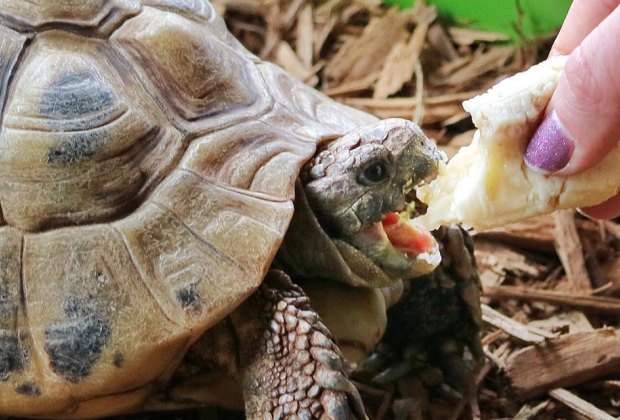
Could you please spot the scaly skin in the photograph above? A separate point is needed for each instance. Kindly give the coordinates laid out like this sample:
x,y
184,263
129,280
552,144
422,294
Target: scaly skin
x,y
297,369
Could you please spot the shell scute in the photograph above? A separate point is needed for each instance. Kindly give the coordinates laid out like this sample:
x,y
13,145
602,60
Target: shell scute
x,y
203,247
87,304
251,156
11,48
204,13
307,112
200,9
208,84
81,141
13,353
22,383
101,15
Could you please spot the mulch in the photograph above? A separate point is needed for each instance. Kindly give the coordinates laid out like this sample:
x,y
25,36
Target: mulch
x,y
551,285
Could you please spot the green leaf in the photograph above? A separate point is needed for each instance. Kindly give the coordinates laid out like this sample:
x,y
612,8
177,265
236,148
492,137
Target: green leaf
x,y
529,18
403,4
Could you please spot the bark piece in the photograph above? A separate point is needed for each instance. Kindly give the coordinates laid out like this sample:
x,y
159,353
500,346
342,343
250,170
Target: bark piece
x,y
565,361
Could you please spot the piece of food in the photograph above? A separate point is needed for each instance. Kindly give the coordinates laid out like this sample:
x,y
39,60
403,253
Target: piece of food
x,y
487,183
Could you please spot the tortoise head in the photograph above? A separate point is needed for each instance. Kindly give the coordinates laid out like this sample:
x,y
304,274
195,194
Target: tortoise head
x,y
359,183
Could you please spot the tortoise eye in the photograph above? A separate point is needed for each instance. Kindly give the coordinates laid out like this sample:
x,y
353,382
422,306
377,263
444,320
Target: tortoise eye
x,y
376,173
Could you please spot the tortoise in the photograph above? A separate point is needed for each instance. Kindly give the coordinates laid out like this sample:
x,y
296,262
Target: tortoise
x,y
150,169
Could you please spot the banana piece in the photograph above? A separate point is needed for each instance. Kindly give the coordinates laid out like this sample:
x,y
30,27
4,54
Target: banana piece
x,y
488,184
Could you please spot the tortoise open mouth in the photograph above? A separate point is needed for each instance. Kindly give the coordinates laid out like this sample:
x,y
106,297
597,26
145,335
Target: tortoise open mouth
x,y
398,242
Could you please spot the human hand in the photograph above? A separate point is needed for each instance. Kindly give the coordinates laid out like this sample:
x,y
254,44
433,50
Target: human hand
x,y
582,122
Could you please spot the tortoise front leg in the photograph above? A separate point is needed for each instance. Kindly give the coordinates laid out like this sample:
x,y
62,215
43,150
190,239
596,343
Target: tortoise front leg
x,y
289,363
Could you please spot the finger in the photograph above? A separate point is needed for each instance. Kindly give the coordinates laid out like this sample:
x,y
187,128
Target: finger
x,y
606,210
581,125
583,16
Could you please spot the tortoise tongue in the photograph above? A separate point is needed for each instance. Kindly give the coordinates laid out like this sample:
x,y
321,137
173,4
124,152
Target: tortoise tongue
x,y
406,237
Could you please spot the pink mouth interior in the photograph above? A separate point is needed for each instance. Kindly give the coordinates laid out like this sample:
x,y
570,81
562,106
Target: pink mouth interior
x,y
410,239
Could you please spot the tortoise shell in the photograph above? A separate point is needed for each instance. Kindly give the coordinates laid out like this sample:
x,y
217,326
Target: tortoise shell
x,y
147,170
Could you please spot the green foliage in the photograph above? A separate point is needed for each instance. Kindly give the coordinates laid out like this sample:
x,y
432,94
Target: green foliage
x,y
516,18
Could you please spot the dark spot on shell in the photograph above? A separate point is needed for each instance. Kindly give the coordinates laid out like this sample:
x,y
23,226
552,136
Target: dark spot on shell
x,y
118,360
13,356
77,146
28,389
75,95
76,343
189,299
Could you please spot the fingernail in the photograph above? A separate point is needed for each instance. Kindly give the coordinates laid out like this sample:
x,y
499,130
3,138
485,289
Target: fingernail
x,y
551,146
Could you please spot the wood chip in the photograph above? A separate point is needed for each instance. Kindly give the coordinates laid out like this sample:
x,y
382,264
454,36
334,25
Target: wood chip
x,y
466,36
452,66
304,36
528,412
500,258
587,303
354,86
515,329
286,57
579,405
401,62
273,34
535,234
570,251
569,322
439,41
483,63
455,119
565,361
420,109
365,54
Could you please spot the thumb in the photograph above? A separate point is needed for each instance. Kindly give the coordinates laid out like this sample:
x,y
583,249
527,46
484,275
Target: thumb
x,y
582,123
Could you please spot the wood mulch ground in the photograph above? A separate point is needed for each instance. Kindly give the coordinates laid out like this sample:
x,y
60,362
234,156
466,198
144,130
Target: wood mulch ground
x,y
551,284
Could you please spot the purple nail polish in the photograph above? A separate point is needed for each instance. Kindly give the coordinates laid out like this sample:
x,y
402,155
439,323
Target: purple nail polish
x,y
551,147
